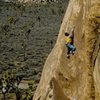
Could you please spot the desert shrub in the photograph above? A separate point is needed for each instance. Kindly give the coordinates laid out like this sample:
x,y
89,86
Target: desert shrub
x,y
10,82
10,19
60,11
5,28
30,84
53,11
0,10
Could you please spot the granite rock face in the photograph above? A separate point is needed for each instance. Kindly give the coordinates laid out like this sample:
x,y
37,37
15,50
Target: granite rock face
x,y
77,78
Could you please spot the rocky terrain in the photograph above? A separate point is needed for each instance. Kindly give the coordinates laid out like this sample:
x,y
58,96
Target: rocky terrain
x,y
27,35
33,1
77,78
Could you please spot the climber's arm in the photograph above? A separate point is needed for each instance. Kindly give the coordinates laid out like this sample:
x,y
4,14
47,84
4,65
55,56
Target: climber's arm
x,y
72,33
73,30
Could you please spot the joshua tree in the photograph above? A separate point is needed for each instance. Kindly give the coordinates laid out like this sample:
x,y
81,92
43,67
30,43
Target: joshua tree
x,y
10,81
5,80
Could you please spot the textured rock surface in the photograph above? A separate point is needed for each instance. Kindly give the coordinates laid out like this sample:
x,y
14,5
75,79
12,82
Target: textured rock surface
x,y
31,1
77,78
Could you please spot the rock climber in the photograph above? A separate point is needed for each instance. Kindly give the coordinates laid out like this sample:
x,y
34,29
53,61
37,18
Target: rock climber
x,y
69,38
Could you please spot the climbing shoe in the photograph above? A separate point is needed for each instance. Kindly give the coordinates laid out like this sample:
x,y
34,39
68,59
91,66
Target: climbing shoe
x,y
73,52
68,56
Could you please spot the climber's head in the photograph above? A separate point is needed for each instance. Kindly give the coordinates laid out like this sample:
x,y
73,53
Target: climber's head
x,y
66,34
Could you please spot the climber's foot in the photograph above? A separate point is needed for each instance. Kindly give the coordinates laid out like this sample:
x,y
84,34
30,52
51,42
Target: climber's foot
x,y
68,56
73,52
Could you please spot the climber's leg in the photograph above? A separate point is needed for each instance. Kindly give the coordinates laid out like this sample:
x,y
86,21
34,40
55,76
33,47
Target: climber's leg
x,y
68,52
72,48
